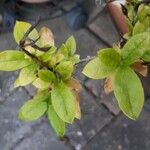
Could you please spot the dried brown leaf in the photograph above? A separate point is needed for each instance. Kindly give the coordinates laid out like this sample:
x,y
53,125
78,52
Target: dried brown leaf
x,y
78,110
108,85
74,85
46,37
140,68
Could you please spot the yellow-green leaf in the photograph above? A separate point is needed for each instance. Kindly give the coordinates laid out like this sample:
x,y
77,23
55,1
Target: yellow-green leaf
x,y
128,92
21,28
40,84
27,75
11,60
95,69
65,69
35,108
46,75
135,48
109,57
71,45
63,102
57,123
139,28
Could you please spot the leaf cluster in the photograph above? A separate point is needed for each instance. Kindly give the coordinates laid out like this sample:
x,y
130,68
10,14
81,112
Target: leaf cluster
x,y
48,69
137,17
118,65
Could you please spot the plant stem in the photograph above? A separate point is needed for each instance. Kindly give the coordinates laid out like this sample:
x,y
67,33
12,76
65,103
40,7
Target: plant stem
x,y
34,58
86,59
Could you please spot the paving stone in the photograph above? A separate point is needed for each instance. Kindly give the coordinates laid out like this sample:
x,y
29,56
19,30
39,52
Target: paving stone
x,y
94,117
31,89
95,86
6,84
104,28
9,123
147,104
7,41
93,8
110,102
123,134
42,139
76,136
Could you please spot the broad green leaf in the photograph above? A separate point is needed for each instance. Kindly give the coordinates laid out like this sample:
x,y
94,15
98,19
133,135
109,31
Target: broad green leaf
x,y
48,55
109,57
46,37
135,48
21,28
64,50
95,69
46,75
131,12
40,84
139,28
129,25
143,11
56,58
65,69
71,45
128,92
27,75
11,60
35,108
146,56
146,23
57,123
63,102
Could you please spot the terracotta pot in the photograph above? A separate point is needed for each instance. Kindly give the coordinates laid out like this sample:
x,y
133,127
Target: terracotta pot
x,y
35,1
118,16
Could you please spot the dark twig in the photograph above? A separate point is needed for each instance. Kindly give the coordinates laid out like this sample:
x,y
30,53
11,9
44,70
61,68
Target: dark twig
x,y
30,30
44,49
34,58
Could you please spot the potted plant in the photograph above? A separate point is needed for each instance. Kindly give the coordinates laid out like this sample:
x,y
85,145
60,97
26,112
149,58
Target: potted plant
x,y
50,69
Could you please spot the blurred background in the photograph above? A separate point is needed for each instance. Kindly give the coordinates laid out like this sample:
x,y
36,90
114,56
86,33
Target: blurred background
x,y
102,126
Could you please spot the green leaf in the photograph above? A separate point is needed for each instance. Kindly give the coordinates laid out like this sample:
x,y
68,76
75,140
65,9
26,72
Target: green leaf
x,y
71,45
11,60
129,92
64,50
146,56
21,28
65,69
48,55
40,84
46,75
129,25
35,108
95,69
146,23
109,57
131,12
63,102
27,75
135,48
139,28
56,58
57,123
143,11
